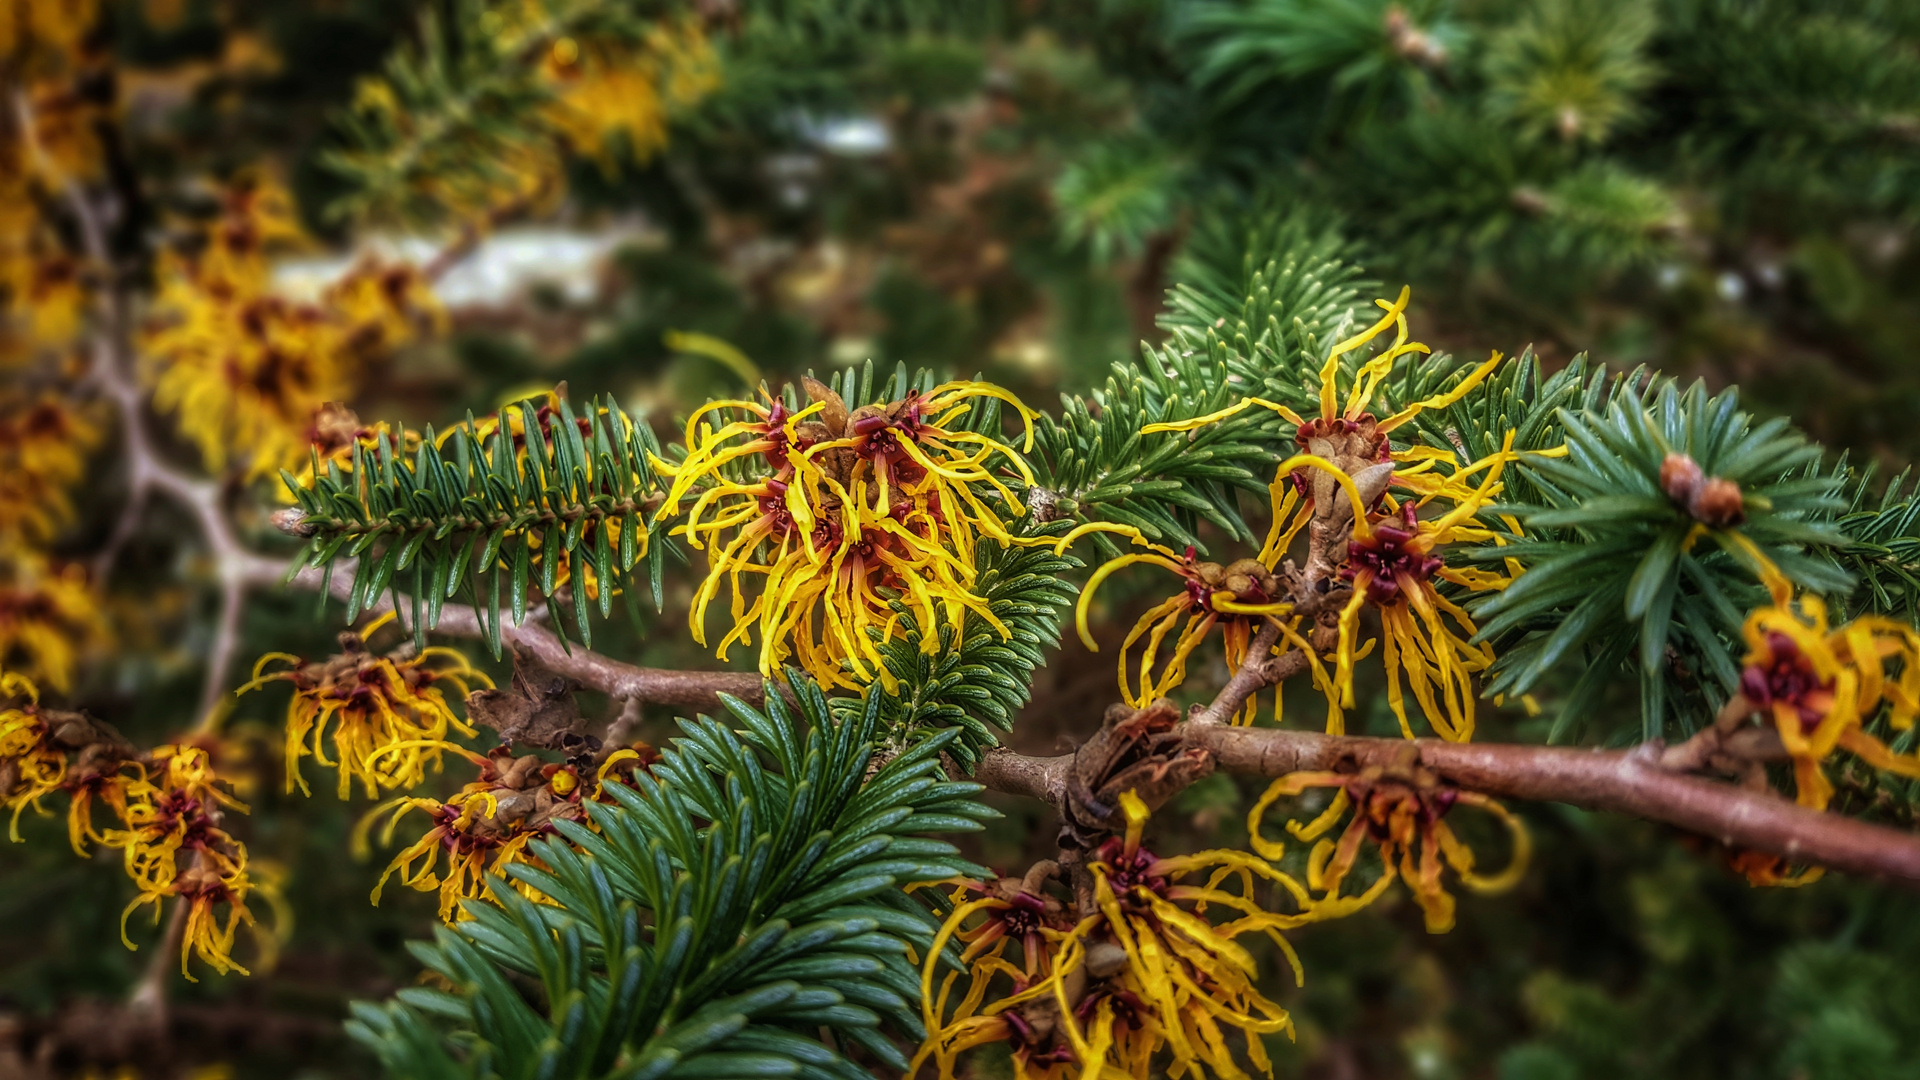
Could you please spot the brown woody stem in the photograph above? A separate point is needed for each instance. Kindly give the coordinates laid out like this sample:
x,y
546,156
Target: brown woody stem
x,y
1621,781
1255,675
694,691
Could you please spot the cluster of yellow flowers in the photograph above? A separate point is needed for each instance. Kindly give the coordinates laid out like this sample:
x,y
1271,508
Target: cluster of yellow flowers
x,y
1151,967
242,365
46,141
44,442
606,93
168,805
1339,486
605,96
1146,969
486,826
389,718
835,514
49,615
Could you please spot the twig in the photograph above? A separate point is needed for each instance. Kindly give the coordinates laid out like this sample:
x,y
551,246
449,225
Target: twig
x,y
111,372
1649,782
149,998
1620,781
690,690
1256,674
146,471
1003,770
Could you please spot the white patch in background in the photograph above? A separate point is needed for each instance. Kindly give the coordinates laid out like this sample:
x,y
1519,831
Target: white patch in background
x,y
497,273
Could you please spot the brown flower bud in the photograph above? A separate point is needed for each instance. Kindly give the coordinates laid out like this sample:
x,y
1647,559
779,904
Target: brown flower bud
x,y
1680,478
1248,568
835,414
1718,503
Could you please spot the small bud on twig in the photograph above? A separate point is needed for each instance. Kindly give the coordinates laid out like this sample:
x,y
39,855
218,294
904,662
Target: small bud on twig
x,y
1711,500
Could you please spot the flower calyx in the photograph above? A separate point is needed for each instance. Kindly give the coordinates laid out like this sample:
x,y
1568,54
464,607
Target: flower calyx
x,y
1397,798
1782,673
1137,750
1391,554
539,709
1248,581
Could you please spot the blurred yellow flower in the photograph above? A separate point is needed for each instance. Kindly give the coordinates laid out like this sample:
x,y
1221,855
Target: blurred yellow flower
x,y
38,37
610,97
44,442
49,617
1820,686
389,718
248,371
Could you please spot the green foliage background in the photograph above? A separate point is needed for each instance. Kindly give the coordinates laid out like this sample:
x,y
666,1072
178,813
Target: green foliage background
x,y
1716,188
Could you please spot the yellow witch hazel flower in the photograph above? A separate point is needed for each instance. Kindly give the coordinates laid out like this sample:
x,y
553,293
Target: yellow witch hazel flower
x,y
1148,970
244,366
1237,597
1821,685
49,616
175,848
1401,810
389,718
44,443
486,826
33,762
606,92
1344,472
853,511
1392,565
1347,433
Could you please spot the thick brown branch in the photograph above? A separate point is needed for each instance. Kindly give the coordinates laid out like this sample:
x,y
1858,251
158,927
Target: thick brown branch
x,y
1620,781
1045,779
694,691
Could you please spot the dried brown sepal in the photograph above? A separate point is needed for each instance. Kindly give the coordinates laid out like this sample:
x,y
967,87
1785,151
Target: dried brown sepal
x,y
539,709
1135,750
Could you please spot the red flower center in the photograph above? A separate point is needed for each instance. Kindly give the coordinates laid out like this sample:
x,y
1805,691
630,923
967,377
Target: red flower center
x,y
1389,554
1787,676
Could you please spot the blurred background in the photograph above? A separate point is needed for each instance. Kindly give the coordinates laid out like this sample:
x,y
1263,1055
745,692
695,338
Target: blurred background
x,y
670,203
